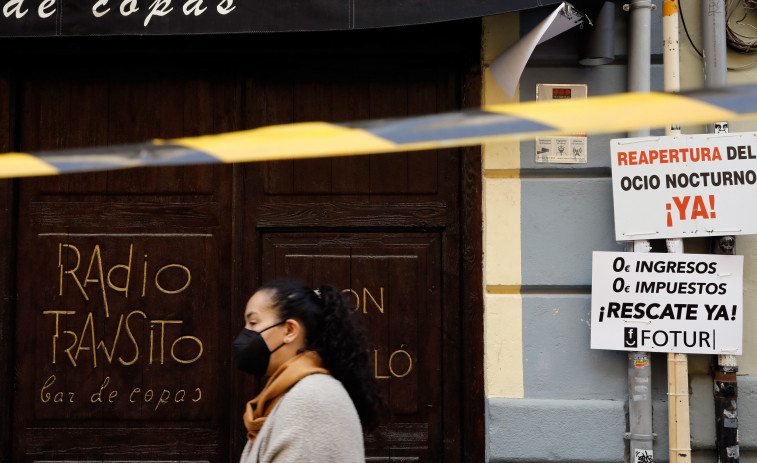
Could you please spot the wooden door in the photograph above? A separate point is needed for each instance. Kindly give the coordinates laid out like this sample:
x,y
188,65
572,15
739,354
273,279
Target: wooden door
x,y
383,228
394,282
129,286
122,349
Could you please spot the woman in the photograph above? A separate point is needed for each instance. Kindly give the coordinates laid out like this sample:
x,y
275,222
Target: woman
x,y
321,389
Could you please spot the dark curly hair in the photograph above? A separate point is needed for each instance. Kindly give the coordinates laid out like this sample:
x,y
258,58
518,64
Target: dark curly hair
x,y
333,331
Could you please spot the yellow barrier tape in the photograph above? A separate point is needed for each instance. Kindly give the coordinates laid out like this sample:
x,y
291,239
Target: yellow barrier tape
x,y
601,114
309,139
23,165
618,113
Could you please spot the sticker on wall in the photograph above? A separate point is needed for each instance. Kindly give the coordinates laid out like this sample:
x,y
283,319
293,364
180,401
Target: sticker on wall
x,y
564,149
643,456
640,360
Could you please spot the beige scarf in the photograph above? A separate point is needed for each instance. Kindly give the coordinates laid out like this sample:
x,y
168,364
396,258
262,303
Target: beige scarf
x,y
293,370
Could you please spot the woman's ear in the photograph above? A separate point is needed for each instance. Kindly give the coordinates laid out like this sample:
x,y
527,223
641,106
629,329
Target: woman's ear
x,y
292,330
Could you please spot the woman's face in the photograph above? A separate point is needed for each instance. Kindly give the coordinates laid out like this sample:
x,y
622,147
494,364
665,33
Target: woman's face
x,y
258,316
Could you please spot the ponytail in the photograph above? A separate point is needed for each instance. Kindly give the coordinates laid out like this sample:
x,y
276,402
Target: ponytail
x,y
333,331
344,349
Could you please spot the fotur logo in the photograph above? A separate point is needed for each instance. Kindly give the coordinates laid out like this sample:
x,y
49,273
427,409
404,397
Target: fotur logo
x,y
630,338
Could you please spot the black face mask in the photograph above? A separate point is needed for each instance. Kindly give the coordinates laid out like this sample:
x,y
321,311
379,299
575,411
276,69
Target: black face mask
x,y
252,352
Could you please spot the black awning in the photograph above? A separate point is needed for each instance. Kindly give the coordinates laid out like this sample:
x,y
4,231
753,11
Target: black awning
x,y
35,18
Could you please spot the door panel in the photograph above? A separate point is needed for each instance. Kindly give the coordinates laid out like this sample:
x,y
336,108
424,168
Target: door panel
x,y
121,328
355,94
120,333
393,280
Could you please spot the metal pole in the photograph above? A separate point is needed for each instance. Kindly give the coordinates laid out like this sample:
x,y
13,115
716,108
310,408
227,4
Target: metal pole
x,y
639,51
640,433
640,436
725,383
714,46
726,391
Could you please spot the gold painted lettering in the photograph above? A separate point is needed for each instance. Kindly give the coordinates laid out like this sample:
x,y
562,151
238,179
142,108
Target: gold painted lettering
x,y
97,396
392,370
89,323
58,397
109,355
199,395
409,367
73,344
134,341
176,397
164,396
151,343
124,289
101,279
45,396
357,297
367,294
131,396
57,314
375,365
162,324
175,291
112,396
70,271
192,338
148,395
144,277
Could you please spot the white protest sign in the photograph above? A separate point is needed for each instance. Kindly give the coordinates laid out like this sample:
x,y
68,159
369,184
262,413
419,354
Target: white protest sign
x,y
682,303
684,186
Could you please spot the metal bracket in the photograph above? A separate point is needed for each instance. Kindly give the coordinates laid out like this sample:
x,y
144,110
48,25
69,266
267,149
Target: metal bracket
x,y
627,6
631,436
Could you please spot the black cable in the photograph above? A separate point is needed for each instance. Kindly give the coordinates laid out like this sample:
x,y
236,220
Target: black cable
x,y
737,40
680,13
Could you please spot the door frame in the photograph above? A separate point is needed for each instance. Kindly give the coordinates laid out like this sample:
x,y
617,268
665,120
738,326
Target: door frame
x,y
7,312
472,283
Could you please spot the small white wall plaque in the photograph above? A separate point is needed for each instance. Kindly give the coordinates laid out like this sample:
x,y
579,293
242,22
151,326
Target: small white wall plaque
x,y
565,149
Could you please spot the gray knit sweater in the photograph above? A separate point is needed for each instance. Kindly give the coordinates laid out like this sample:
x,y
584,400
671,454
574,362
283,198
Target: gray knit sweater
x,y
314,422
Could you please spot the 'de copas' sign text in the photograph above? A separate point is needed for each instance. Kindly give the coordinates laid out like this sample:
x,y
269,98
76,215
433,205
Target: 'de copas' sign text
x,y
31,18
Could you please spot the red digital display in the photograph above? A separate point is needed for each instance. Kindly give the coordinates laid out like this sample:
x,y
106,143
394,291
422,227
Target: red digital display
x,y
560,93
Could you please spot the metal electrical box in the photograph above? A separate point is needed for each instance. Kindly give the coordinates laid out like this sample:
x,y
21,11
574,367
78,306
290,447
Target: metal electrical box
x,y
563,149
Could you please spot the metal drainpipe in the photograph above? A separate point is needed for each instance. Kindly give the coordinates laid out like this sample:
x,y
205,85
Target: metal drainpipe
x,y
725,388
639,51
714,46
640,436
639,363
